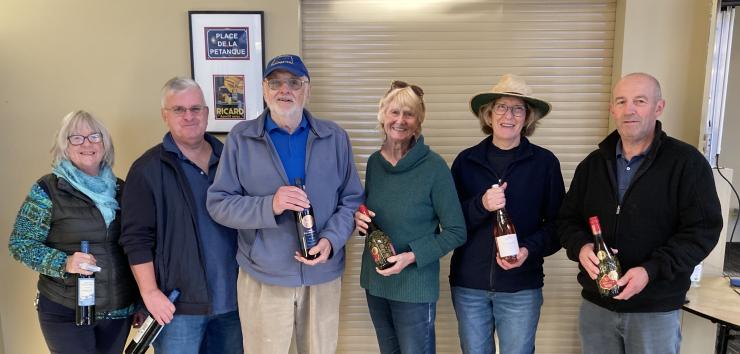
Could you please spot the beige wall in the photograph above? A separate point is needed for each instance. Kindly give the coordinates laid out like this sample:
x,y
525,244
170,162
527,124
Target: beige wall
x,y
112,57
104,56
668,39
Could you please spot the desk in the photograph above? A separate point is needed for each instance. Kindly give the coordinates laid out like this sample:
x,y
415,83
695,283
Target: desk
x,y
717,302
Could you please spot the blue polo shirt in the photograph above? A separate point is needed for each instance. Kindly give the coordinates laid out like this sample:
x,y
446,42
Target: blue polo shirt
x,y
290,147
217,243
627,169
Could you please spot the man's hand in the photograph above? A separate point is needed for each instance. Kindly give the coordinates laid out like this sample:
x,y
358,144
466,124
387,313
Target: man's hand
x,y
589,261
323,247
402,261
520,258
73,263
494,198
159,306
289,198
632,283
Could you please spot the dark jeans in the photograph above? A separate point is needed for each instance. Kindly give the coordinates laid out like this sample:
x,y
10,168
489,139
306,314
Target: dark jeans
x,y
63,336
403,327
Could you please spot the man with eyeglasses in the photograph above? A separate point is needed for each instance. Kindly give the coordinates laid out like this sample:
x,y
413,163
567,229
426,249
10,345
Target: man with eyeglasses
x,y
170,239
280,292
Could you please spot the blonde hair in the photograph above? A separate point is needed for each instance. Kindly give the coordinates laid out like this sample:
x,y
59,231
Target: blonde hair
x,y
404,97
72,123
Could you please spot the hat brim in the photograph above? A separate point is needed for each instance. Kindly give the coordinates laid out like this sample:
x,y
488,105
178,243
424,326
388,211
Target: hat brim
x,y
483,98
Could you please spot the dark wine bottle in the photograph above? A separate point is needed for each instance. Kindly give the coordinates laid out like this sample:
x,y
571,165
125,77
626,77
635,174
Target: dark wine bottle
x,y
85,309
504,233
306,224
148,331
609,269
378,243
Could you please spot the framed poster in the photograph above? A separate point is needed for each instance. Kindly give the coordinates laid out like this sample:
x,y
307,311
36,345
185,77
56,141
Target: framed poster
x,y
227,56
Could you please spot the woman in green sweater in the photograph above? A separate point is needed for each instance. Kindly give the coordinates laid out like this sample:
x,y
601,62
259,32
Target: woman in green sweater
x,y
412,197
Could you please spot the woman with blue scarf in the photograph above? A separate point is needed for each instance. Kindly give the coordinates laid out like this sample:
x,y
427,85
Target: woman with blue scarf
x,y
78,201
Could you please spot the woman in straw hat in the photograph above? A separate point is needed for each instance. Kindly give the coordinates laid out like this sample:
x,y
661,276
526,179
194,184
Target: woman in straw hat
x,y
491,293
410,189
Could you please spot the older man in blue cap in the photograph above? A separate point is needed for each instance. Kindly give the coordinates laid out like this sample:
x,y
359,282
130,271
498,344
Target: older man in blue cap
x,y
279,291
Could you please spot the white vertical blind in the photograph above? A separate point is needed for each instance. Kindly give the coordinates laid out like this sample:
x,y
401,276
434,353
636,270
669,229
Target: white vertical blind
x,y
453,49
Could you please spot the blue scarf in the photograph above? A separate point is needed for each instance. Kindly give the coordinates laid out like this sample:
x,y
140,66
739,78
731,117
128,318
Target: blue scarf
x,y
101,188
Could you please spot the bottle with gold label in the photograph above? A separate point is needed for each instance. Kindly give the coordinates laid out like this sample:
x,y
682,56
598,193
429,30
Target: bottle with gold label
x,y
378,243
308,237
609,269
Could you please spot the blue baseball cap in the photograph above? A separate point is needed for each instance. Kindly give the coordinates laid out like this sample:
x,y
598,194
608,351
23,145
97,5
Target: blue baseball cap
x,y
288,62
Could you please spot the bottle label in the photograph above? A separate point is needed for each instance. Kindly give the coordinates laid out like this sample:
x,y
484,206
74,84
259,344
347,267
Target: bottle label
x,y
85,291
601,255
507,245
307,221
609,280
144,327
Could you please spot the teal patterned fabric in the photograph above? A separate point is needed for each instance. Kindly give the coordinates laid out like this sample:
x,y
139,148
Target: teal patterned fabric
x,y
27,245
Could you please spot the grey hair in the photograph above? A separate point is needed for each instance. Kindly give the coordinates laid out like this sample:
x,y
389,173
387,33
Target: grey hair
x,y
405,97
178,84
72,123
657,91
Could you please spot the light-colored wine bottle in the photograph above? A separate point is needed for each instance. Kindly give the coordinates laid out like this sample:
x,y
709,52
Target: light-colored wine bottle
x,y
609,269
504,233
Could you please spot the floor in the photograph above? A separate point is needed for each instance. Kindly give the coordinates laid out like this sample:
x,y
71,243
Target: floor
x,y
732,268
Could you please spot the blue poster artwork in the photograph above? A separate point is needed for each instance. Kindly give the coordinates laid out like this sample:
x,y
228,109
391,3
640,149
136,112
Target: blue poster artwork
x,y
227,43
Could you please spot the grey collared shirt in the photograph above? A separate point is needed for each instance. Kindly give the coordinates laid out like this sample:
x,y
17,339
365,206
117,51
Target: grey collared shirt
x,y
626,169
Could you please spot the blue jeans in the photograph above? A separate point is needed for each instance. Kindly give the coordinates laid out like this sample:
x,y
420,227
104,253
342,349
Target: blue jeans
x,y
202,334
608,332
403,327
481,312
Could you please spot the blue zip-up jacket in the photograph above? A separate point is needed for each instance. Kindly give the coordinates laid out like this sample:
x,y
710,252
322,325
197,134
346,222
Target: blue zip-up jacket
x,y
249,173
533,196
159,224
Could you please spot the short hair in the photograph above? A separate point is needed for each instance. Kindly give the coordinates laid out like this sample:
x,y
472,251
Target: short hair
x,y
405,97
72,123
531,120
657,91
178,84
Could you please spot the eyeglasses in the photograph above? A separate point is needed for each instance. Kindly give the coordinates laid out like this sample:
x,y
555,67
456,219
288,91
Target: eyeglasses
x,y
293,84
93,138
516,111
397,84
180,110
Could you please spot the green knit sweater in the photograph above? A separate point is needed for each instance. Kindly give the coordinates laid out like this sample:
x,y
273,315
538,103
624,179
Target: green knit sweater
x,y
416,204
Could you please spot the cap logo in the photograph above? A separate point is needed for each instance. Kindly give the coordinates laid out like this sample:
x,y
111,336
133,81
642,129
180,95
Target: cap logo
x,y
282,59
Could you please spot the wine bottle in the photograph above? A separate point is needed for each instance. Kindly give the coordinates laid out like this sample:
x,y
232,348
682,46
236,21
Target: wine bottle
x,y
378,243
609,269
148,331
306,224
85,309
504,233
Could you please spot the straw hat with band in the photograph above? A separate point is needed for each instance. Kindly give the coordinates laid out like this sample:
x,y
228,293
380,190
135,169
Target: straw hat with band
x,y
514,86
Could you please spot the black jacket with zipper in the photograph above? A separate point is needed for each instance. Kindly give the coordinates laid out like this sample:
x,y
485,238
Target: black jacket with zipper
x,y
75,218
669,219
159,225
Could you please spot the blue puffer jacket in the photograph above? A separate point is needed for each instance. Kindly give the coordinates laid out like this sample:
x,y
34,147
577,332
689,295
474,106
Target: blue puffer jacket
x,y
533,196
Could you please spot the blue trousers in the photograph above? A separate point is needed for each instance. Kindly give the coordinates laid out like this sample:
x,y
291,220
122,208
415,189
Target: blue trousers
x,y
403,327
63,336
480,313
607,332
201,334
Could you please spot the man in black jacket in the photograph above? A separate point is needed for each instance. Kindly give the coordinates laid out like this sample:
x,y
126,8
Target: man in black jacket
x,y
658,206
170,239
